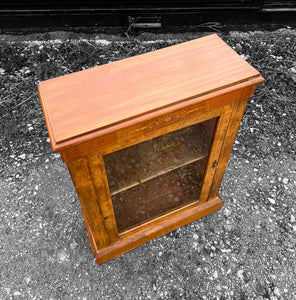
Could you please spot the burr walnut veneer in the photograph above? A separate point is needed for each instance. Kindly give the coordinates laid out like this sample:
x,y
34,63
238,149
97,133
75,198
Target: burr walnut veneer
x,y
147,139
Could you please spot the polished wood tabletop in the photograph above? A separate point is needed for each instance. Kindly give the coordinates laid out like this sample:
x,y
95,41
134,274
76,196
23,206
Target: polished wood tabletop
x,y
83,102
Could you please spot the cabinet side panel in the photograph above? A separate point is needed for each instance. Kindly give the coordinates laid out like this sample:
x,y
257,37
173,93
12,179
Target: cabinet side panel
x,y
235,120
217,143
98,173
83,182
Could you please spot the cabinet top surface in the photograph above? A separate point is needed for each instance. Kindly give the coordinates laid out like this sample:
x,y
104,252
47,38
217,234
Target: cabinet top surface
x,y
89,100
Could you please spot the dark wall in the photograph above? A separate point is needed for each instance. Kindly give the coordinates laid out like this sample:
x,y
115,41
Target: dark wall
x,y
38,4
97,4
86,13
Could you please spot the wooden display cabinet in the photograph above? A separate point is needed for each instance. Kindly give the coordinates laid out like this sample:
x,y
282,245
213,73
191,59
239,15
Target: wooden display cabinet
x,y
147,139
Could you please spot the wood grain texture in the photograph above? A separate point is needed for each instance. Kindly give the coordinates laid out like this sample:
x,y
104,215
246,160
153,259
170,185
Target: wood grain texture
x,y
83,182
87,101
98,173
232,129
215,150
154,124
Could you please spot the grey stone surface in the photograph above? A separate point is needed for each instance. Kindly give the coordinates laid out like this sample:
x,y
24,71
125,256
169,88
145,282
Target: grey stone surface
x,y
244,251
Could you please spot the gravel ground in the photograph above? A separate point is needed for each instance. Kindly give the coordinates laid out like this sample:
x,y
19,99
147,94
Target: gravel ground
x,y
246,250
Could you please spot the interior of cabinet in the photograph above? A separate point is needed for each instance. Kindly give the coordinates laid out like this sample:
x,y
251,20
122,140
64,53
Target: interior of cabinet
x,y
158,175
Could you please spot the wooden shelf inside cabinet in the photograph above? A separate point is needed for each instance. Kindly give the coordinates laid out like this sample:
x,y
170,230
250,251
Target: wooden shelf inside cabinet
x,y
147,139
155,157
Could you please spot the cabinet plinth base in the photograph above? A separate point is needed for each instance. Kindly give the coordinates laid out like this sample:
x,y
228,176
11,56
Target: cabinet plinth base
x,y
150,230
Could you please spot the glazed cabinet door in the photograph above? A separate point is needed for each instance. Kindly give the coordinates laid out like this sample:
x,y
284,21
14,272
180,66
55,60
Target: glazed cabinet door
x,y
154,177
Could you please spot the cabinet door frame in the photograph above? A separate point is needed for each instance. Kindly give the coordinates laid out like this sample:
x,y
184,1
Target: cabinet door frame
x,y
90,180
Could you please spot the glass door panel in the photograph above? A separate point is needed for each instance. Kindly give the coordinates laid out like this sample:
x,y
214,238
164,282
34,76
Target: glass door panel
x,y
156,176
